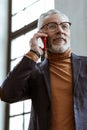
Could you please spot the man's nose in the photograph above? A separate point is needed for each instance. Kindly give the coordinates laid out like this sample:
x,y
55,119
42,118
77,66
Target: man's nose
x,y
59,29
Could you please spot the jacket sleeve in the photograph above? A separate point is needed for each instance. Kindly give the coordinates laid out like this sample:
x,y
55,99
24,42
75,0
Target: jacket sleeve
x,y
16,85
0,93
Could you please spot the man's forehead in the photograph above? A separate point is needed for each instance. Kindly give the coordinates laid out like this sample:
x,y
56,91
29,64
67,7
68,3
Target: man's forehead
x,y
55,18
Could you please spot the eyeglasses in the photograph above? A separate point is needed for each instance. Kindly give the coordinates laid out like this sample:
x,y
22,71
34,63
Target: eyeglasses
x,y
54,26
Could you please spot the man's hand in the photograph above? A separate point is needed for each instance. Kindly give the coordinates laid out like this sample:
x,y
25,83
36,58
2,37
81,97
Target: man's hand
x,y
34,42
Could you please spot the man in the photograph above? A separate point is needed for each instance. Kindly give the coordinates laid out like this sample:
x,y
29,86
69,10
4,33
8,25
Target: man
x,y
57,85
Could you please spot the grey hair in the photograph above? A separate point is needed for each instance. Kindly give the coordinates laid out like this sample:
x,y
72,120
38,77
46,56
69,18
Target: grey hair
x,y
52,11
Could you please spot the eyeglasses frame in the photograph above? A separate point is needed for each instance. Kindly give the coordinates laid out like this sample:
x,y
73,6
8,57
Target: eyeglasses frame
x,y
56,23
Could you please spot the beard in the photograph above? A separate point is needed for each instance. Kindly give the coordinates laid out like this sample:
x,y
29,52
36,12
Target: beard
x,y
58,48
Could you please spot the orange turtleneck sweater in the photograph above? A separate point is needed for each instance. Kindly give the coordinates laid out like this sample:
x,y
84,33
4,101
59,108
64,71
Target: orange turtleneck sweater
x,y
62,114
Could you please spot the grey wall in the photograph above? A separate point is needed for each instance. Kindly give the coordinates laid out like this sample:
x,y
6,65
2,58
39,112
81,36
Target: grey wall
x,y
76,10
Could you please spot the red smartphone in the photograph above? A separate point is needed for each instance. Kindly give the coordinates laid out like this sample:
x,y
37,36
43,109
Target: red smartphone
x,y
44,39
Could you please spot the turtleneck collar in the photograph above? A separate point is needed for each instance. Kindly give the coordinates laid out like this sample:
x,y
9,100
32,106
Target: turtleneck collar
x,y
59,56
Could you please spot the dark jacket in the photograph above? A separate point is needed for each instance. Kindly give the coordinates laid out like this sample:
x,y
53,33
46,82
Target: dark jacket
x,y
31,80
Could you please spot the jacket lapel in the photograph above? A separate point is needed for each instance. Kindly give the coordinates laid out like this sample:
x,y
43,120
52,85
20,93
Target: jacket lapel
x,y
76,65
45,71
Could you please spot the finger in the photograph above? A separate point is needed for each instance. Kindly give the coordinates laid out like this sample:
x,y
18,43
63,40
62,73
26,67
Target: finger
x,y
42,34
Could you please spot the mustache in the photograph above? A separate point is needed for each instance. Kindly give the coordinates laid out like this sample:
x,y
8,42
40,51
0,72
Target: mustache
x,y
54,39
59,37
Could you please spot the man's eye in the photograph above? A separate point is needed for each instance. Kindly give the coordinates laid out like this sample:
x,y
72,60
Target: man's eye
x,y
52,26
64,26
